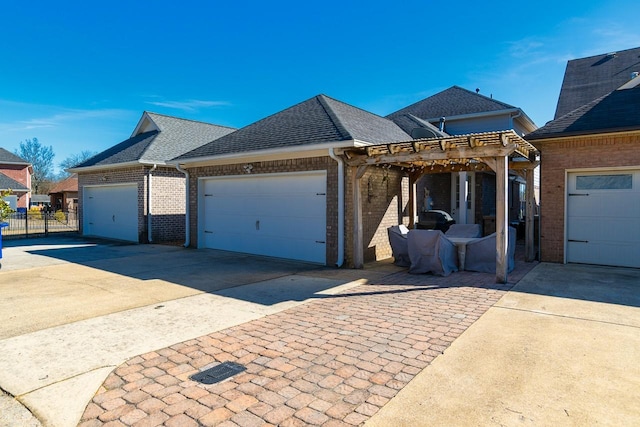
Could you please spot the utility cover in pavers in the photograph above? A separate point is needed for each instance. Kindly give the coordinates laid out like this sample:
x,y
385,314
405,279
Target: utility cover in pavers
x,y
218,373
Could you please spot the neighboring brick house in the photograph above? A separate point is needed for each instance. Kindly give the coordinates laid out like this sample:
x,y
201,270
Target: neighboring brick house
x,y
277,187
457,111
590,164
15,175
64,195
128,192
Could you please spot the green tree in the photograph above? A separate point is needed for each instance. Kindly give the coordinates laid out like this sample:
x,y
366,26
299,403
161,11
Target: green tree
x,y
5,209
41,159
74,160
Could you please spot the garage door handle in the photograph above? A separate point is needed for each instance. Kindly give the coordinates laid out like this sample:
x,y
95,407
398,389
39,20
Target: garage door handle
x,y
578,194
258,225
321,241
113,218
578,241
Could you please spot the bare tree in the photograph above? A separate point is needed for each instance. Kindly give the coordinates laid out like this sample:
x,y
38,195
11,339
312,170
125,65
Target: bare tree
x,y
74,160
41,159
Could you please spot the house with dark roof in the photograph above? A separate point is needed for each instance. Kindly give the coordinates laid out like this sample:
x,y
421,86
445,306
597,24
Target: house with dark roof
x,y
129,192
63,196
15,175
590,164
284,185
458,111
277,186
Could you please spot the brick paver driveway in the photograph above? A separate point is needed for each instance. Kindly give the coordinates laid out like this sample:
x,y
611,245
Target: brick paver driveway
x,y
334,361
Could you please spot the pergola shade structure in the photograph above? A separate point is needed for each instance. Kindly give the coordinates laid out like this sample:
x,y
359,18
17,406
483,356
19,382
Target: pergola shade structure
x,y
499,151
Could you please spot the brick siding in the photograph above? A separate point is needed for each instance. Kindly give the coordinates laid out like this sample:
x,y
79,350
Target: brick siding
x,y
558,156
168,199
279,166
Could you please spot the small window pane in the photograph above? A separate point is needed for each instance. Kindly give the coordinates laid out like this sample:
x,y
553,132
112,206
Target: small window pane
x,y
604,182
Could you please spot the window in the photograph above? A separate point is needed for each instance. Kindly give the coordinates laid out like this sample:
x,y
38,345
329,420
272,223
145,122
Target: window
x,y
604,182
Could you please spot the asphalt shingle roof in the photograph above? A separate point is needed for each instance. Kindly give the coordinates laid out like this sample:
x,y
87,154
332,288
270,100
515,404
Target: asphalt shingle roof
x,y
587,79
616,111
7,183
409,123
175,137
318,120
9,157
454,101
67,185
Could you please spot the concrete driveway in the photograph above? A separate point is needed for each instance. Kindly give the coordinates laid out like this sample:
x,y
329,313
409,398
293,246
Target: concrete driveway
x,y
558,348
77,308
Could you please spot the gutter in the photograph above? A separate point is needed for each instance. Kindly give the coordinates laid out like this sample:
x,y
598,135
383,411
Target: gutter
x,y
149,204
187,231
333,155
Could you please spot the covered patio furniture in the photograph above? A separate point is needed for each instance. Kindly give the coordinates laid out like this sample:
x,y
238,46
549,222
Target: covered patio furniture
x,y
464,230
481,253
398,241
431,252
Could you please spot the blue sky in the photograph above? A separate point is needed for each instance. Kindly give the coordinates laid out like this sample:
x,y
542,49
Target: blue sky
x,y
78,75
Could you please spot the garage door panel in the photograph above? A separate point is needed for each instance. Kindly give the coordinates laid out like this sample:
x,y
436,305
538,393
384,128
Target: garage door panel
x,y
603,223
280,215
111,212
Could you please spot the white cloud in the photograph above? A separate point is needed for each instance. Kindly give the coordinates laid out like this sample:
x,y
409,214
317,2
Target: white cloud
x,y
189,105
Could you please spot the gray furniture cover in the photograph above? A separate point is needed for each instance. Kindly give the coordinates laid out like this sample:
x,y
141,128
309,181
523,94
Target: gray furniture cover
x,y
481,254
464,230
431,252
398,242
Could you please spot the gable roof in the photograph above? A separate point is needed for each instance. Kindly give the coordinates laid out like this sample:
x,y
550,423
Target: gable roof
x,y
7,183
66,185
9,157
318,120
157,139
417,127
454,101
587,79
616,111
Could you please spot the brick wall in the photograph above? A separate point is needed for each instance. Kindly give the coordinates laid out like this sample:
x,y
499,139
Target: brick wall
x,y
278,166
168,199
21,174
558,156
384,199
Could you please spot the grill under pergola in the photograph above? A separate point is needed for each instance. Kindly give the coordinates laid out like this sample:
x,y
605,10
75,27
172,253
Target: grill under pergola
x,y
498,151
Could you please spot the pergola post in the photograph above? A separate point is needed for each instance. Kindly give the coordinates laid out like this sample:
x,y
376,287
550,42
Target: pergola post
x,y
358,240
502,218
413,200
529,239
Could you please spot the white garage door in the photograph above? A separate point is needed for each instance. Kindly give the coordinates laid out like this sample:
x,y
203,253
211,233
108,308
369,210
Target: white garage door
x,y
111,211
603,218
279,215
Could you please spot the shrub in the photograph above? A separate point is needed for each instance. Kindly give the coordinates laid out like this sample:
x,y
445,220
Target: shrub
x,y
60,216
34,213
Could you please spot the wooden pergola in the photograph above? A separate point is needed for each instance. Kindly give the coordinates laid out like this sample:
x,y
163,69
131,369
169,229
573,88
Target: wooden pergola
x,y
497,151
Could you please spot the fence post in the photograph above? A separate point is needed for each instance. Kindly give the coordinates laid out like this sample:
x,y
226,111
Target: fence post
x,y
26,223
46,222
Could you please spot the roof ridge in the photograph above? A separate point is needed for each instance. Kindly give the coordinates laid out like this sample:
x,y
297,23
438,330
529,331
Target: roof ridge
x,y
484,96
187,120
322,99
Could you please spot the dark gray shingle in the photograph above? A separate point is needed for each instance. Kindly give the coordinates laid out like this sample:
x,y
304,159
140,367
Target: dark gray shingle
x,y
315,121
454,101
587,79
7,183
174,137
617,111
9,157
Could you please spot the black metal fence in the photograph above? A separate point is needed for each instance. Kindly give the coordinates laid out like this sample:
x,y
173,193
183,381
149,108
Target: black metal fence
x,y
34,223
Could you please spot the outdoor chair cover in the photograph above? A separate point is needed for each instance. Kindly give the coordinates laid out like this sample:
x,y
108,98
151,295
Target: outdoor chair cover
x,y
431,252
398,242
464,230
481,254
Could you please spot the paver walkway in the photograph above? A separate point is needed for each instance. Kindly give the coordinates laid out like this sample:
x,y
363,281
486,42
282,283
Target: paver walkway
x,y
334,361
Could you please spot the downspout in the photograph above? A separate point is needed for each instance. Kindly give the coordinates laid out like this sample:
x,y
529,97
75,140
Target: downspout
x,y
187,231
149,210
333,155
